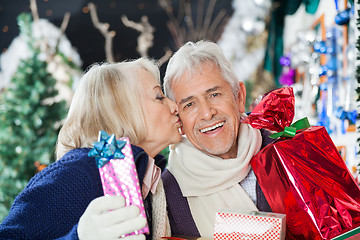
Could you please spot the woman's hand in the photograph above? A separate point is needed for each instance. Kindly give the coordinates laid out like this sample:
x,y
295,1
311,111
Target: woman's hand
x,y
107,217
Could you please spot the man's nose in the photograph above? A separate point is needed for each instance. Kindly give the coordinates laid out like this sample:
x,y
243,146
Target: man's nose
x,y
207,111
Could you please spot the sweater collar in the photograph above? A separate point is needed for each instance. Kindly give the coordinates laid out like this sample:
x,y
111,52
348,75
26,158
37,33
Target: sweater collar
x,y
141,159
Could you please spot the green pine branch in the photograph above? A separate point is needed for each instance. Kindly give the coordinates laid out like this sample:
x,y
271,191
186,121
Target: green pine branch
x,y
28,131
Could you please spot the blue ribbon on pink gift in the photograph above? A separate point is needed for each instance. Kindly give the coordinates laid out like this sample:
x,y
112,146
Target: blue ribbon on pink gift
x,y
106,148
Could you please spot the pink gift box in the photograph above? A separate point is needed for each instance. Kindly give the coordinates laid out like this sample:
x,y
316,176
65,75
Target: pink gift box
x,y
249,225
119,177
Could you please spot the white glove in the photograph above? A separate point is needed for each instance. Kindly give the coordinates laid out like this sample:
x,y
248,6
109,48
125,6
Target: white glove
x,y
98,222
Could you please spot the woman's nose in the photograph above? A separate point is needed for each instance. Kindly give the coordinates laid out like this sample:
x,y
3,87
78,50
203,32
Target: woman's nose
x,y
172,106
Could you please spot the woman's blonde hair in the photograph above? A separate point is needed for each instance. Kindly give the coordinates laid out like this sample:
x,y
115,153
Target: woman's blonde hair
x,y
107,98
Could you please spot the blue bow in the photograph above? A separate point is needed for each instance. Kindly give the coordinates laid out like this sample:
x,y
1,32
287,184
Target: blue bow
x,y
346,115
106,148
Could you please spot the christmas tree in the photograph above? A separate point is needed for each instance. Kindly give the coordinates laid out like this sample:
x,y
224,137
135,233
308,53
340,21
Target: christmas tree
x,y
30,121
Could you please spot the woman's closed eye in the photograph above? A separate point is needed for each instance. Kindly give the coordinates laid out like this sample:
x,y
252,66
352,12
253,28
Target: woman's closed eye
x,y
160,97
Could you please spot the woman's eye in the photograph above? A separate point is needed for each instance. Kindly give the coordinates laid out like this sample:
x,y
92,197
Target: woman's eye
x,y
161,98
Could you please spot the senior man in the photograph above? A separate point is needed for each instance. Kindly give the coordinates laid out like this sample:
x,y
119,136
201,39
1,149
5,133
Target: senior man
x,y
209,169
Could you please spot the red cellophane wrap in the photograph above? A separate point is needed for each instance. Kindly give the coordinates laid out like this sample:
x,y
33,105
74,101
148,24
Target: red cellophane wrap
x,y
303,177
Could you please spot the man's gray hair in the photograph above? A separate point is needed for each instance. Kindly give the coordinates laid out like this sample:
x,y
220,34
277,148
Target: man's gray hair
x,y
189,58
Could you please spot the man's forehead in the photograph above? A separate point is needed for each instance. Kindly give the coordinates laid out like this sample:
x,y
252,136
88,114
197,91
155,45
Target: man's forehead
x,y
199,69
202,79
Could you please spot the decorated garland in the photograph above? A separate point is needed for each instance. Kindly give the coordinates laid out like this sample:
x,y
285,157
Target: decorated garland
x,y
357,65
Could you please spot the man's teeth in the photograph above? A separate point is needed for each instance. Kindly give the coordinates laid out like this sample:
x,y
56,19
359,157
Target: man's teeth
x,y
212,127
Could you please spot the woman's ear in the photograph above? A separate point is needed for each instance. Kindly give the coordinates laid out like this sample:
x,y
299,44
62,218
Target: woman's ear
x,y
241,97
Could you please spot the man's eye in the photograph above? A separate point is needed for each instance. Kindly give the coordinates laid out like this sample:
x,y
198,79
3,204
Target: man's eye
x,y
188,105
215,94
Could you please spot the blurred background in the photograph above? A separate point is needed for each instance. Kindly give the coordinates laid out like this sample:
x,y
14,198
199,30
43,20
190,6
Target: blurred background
x,y
46,45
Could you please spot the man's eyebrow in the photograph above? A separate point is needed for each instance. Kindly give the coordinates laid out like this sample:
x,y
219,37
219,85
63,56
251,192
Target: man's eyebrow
x,y
184,100
212,89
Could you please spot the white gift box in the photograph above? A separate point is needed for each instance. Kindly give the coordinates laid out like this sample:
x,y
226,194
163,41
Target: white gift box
x,y
251,225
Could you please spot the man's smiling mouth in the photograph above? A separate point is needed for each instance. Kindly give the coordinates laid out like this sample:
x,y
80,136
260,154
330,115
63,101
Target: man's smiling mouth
x,y
212,128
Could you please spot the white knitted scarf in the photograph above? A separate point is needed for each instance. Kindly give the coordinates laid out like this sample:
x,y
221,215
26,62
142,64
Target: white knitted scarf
x,y
211,183
161,226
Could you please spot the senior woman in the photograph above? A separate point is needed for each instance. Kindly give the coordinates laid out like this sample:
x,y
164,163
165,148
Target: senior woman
x,y
66,200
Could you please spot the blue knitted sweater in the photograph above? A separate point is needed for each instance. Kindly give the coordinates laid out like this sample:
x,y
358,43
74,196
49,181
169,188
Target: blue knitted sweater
x,y
52,203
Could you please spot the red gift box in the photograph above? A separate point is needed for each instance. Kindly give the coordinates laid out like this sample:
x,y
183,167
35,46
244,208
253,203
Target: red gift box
x,y
304,177
353,234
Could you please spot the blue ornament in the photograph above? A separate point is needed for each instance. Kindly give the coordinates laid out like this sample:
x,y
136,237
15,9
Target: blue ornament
x,y
332,64
320,47
343,17
323,70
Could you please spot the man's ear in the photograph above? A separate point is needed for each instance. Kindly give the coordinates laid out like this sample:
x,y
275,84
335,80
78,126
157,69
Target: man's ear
x,y
242,97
